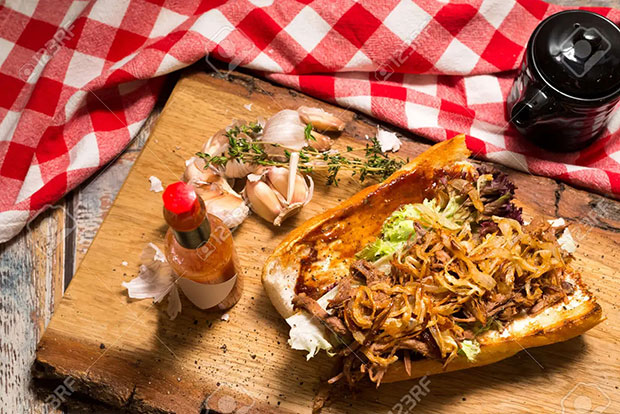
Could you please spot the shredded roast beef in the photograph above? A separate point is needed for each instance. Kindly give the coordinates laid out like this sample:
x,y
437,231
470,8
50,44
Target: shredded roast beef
x,y
423,345
310,305
368,272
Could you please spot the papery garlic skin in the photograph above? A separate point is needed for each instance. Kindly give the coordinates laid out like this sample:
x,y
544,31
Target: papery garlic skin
x,y
195,172
320,119
388,140
286,129
238,169
156,185
155,280
218,145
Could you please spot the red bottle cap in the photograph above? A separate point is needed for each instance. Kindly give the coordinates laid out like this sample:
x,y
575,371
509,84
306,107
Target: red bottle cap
x,y
185,212
180,198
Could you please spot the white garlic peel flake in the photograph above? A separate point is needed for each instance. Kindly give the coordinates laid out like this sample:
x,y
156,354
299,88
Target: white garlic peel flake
x,y
156,184
388,140
155,280
565,240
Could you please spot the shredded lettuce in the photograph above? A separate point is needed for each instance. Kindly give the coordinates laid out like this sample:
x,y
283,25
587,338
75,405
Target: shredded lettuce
x,y
400,225
396,230
470,349
307,333
400,231
378,249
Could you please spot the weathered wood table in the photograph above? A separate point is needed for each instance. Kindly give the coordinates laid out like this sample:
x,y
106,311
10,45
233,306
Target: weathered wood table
x,y
35,272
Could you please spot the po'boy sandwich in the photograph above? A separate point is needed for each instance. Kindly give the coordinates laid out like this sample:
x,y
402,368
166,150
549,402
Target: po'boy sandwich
x,y
432,270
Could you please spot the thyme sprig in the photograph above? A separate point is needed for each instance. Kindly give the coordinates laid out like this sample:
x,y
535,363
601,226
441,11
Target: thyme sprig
x,y
245,148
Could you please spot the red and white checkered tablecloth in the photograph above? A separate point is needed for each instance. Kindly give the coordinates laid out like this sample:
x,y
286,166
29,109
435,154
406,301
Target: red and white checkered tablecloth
x,y
79,78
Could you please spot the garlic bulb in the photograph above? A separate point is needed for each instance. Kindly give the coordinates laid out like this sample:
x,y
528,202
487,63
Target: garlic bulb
x,y
279,179
286,129
218,145
320,119
267,191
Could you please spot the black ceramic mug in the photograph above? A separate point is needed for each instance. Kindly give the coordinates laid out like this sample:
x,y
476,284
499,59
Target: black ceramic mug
x,y
569,81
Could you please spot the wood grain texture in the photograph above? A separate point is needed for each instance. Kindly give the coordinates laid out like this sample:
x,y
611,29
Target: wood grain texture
x,y
152,364
27,298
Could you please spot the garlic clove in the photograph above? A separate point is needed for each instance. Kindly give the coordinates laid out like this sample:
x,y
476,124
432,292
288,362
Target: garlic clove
x,y
209,191
320,119
278,178
228,208
196,173
322,143
300,195
223,202
292,172
285,129
263,200
217,144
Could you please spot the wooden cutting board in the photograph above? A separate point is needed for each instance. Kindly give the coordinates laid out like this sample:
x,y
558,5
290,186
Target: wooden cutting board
x,y
127,353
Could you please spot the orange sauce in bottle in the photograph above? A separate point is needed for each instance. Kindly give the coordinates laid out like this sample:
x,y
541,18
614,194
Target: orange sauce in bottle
x,y
200,249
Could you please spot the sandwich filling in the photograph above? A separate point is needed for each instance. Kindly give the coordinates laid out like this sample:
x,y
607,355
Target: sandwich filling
x,y
439,274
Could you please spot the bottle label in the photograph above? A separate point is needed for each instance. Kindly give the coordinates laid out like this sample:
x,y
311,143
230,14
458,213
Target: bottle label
x,y
205,295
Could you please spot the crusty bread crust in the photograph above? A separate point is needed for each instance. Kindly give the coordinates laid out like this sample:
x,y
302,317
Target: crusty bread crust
x,y
558,323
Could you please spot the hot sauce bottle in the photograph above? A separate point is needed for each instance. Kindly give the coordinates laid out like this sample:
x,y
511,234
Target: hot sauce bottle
x,y
199,247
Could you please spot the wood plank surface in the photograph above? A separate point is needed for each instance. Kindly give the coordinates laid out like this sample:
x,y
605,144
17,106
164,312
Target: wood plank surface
x,y
127,353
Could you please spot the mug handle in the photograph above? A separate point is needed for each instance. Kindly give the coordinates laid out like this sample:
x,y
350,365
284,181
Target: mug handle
x,y
530,108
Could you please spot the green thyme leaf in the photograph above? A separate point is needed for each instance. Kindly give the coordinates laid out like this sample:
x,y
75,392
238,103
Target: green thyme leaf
x,y
308,132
